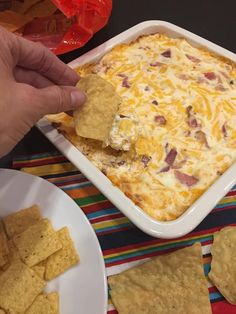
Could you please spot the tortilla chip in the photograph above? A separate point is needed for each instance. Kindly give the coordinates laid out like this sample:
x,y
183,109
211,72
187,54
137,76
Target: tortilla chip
x,y
169,284
18,222
4,250
40,270
37,242
27,4
223,270
2,312
41,9
19,286
63,259
13,21
94,119
45,304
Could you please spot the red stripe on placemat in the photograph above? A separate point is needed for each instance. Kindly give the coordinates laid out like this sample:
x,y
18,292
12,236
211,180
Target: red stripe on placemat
x,y
222,307
41,162
98,206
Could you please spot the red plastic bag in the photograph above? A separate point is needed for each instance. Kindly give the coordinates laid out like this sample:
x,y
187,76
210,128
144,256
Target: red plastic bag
x,y
72,28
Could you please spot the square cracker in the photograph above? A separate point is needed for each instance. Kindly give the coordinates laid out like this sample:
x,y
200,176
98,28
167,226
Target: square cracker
x,y
21,220
19,286
223,270
45,304
169,284
63,259
37,242
4,250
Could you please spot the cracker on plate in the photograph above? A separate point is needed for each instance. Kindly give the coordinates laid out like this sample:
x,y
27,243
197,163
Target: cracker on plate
x,y
40,270
94,119
18,222
45,304
19,286
63,259
223,270
4,250
169,284
37,242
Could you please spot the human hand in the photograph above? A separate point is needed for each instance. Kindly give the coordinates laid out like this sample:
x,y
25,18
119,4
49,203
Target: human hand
x,y
33,82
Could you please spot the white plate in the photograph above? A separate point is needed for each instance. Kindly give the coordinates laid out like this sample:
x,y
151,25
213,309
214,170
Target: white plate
x,y
202,207
83,288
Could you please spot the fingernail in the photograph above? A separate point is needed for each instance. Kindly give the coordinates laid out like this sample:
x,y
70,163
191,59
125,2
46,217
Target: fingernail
x,y
77,98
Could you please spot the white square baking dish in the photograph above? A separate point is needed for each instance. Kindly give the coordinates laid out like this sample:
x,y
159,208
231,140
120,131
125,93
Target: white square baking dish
x,y
201,208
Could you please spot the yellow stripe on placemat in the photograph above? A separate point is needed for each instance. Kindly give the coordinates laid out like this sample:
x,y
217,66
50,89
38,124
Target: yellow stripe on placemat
x,y
50,169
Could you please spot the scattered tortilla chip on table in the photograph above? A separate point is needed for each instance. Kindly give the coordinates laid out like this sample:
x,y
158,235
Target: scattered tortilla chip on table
x,y
223,267
45,304
94,119
169,284
4,250
19,286
37,242
63,259
18,222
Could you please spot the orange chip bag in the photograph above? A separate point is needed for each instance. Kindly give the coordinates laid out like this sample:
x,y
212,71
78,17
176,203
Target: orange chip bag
x,y
61,25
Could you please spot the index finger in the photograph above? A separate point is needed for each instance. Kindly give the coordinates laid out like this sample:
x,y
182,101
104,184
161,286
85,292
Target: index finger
x,y
36,57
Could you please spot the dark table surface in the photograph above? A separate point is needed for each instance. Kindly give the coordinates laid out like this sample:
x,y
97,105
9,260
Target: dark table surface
x,y
214,20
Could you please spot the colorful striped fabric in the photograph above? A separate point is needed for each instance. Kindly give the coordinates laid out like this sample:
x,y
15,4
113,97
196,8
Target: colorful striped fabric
x,y
123,244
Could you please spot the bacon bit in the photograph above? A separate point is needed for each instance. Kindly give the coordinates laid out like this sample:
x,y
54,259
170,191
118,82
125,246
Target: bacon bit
x,y
144,48
122,116
122,75
166,54
231,82
145,160
156,64
187,133
185,178
165,169
193,59
201,136
170,158
224,130
210,75
188,111
192,122
147,88
155,102
125,82
160,119
220,88
56,124
104,171
121,163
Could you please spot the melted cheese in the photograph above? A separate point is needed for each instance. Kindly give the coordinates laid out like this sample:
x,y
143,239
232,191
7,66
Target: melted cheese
x,y
176,98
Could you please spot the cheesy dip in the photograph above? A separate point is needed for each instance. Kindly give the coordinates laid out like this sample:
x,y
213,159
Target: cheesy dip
x,y
175,131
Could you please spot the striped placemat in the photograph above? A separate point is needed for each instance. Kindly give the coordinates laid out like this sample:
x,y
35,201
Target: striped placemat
x,y
123,244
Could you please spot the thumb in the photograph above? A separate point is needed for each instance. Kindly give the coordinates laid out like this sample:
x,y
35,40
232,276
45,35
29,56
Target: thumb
x,y
55,99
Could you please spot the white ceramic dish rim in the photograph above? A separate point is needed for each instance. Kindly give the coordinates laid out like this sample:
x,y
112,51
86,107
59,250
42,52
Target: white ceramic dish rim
x,y
202,207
